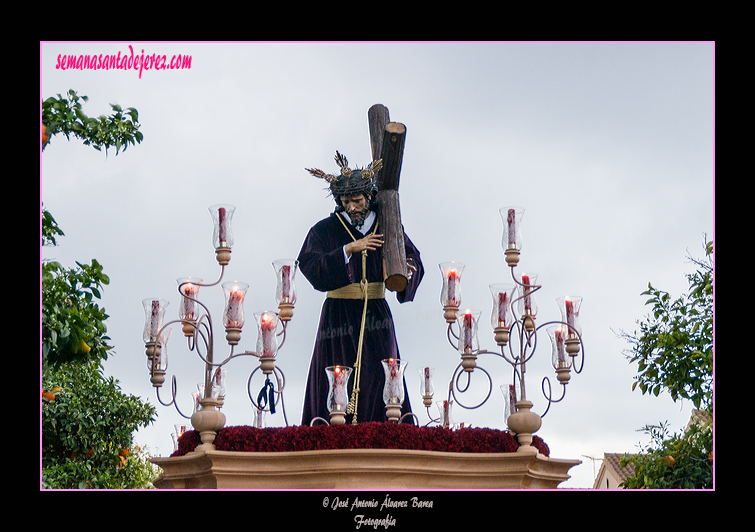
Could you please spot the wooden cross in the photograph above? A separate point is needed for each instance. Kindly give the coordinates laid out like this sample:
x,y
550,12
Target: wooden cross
x,y
387,140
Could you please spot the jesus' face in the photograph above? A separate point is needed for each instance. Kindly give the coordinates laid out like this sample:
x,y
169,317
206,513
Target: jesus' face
x,y
356,207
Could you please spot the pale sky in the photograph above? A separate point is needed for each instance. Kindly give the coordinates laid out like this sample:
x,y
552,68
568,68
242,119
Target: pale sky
x,y
609,148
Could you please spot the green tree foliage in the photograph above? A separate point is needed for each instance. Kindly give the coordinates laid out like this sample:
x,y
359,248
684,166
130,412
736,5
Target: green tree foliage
x,y
674,347
87,431
73,324
63,114
674,352
680,461
87,421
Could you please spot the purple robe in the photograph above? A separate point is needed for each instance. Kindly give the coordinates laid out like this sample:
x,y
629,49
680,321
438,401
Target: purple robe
x,y
321,261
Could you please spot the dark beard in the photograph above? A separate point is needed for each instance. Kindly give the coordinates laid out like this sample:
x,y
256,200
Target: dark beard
x,y
358,218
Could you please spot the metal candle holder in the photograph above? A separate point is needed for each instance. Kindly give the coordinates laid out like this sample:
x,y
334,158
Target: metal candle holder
x,y
514,322
197,327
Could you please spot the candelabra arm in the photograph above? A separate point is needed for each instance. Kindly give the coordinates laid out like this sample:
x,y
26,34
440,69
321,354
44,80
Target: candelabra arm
x,y
533,287
283,335
450,333
486,352
411,415
222,272
455,378
547,394
529,345
432,419
458,376
173,390
208,342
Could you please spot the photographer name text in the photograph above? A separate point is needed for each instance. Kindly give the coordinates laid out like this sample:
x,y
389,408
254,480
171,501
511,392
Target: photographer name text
x,y
360,520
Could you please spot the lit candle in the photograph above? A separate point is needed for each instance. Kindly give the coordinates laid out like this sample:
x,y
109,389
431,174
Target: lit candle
x,y
450,294
503,303
189,291
446,414
235,309
339,396
453,280
570,316
511,220
559,333
268,324
221,226
467,331
286,283
527,300
393,380
154,324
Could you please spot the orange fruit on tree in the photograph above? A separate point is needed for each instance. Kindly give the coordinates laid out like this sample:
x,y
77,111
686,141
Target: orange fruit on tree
x,y
48,395
124,452
45,136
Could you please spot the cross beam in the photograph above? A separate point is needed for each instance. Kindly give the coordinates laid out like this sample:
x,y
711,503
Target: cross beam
x,y
387,140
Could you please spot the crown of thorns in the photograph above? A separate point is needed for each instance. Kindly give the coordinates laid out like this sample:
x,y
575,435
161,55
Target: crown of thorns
x,y
349,181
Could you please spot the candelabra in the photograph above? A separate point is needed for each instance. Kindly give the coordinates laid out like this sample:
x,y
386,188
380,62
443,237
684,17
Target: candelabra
x,y
197,327
513,320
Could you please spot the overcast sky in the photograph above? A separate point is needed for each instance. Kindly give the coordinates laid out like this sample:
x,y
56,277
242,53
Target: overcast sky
x,y
609,148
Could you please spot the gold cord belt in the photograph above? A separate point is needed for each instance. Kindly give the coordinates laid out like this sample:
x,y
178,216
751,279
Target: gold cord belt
x,y
355,291
360,290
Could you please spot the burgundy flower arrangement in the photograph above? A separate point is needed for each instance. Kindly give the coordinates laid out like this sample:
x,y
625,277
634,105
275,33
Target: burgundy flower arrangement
x,y
370,435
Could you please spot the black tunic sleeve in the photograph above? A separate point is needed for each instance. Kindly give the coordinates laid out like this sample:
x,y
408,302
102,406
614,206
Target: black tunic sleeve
x,y
321,260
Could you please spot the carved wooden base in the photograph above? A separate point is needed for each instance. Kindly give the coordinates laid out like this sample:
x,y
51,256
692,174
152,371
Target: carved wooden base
x,y
361,469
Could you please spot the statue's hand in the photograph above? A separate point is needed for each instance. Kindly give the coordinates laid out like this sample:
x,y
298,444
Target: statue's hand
x,y
370,242
410,268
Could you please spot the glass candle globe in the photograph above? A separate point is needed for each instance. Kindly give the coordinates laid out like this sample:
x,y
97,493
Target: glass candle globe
x,y
285,273
267,340
512,223
450,295
233,316
393,390
222,235
338,393
154,313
